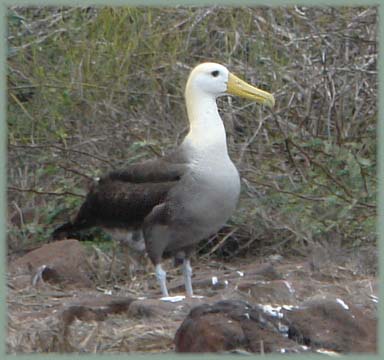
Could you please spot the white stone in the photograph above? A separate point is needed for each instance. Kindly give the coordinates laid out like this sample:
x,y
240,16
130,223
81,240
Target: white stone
x,y
173,299
342,303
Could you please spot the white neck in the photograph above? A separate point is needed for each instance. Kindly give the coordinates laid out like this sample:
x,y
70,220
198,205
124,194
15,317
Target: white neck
x,y
206,126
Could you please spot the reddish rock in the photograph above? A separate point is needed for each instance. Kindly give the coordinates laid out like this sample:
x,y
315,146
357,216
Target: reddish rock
x,y
333,325
62,262
230,325
209,328
322,324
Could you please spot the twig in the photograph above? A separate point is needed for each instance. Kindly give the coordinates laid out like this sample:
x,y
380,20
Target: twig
x,y
75,172
323,168
16,189
62,149
274,186
222,241
20,212
250,140
39,40
151,147
18,102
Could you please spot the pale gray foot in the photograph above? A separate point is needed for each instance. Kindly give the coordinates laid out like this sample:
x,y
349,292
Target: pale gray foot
x,y
161,276
187,272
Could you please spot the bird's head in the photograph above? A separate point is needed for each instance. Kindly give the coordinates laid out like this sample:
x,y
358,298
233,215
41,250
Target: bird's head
x,y
216,80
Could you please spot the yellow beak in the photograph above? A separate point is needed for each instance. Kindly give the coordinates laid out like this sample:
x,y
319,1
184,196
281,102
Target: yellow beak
x,y
239,87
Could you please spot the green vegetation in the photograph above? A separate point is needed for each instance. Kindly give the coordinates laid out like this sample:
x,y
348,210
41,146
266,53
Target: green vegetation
x,y
91,89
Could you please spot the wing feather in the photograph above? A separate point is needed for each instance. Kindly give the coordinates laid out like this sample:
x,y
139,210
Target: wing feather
x,y
124,198
169,168
123,204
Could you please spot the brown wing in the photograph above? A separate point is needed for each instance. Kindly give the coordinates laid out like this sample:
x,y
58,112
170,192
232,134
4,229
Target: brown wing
x,y
124,198
116,203
168,168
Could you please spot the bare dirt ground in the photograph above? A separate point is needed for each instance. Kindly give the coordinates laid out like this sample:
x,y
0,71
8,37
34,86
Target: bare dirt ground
x,y
62,298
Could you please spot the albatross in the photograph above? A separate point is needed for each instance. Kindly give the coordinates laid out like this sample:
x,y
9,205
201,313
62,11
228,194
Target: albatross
x,y
181,198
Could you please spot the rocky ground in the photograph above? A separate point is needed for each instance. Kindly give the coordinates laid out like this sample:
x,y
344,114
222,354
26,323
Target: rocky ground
x,y
62,298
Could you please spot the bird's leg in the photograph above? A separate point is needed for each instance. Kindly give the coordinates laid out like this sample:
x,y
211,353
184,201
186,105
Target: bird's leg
x,y
187,272
161,276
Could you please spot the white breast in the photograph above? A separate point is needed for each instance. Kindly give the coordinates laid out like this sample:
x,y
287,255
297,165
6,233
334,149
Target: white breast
x,y
213,191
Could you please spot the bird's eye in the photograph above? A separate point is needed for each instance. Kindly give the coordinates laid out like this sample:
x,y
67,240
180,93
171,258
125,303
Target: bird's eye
x,y
215,73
